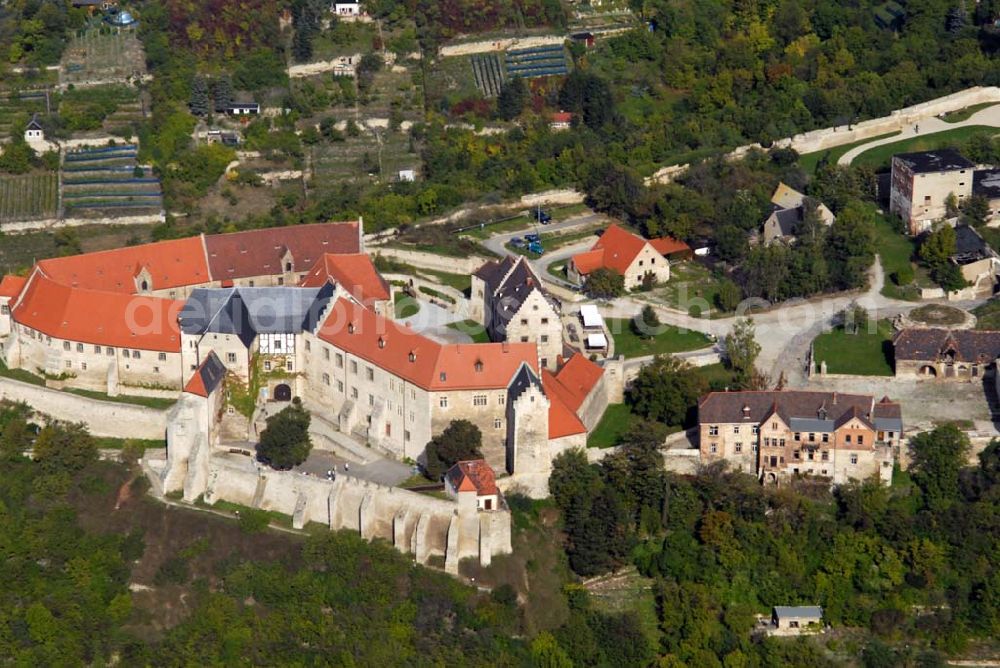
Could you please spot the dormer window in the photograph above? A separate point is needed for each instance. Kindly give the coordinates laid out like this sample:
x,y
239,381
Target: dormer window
x,y
381,342
479,366
443,376
288,266
413,356
144,286
350,328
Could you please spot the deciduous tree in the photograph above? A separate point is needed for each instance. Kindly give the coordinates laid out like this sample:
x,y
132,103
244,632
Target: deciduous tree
x,y
285,442
459,441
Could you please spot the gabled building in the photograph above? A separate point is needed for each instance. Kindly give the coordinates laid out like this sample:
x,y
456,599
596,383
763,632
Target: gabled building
x,y
473,482
627,254
963,354
782,433
977,261
787,214
508,298
921,183
356,274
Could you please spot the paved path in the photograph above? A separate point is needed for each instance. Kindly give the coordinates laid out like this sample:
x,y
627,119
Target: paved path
x,y
927,126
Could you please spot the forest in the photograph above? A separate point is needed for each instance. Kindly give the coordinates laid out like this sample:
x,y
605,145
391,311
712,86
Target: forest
x,y
915,564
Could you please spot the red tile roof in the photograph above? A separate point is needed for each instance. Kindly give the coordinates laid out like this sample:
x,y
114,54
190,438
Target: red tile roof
x,y
420,360
95,317
355,272
170,264
567,389
618,248
259,252
473,475
11,285
562,117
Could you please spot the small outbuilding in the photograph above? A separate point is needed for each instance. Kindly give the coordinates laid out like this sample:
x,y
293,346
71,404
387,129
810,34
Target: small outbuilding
x,y
795,618
473,478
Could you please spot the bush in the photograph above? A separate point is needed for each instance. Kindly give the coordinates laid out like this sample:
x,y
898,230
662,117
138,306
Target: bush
x,y
903,276
172,571
254,521
285,441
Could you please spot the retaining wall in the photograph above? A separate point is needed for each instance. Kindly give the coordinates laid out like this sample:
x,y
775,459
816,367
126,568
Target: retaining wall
x,y
102,418
826,138
55,223
421,260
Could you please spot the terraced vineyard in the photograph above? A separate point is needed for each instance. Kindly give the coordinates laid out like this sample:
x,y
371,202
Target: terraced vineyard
x,y
107,182
103,53
538,61
28,197
489,74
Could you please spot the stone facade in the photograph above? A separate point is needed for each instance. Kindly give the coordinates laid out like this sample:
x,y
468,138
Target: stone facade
x,y
774,435
921,184
952,355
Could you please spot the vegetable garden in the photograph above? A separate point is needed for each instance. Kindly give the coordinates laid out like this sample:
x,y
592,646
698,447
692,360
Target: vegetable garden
x,y
103,53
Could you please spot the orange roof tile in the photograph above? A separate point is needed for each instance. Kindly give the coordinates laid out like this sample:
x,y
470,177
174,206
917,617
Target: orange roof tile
x,y
562,420
576,379
11,285
170,264
420,360
668,245
355,272
562,117
259,252
619,248
473,475
104,318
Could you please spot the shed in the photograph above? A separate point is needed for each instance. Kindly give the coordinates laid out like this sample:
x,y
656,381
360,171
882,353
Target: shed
x,y
790,617
597,341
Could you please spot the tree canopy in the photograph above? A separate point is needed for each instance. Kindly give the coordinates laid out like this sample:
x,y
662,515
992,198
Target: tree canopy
x,y
459,441
285,442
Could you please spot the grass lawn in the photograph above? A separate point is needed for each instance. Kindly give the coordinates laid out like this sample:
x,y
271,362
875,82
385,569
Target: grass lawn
x,y
810,161
717,376
670,340
557,269
111,443
880,156
896,250
862,354
938,315
21,374
617,420
965,114
988,315
461,282
472,328
436,294
149,402
691,285
405,306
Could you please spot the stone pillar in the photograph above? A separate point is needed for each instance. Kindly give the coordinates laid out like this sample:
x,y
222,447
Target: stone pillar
x,y
300,517
366,516
451,555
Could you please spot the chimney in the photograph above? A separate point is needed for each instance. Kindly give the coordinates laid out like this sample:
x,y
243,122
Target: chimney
x,y
505,347
834,398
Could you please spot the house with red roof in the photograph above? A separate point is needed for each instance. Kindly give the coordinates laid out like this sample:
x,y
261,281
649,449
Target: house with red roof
x,y
627,254
473,481
355,273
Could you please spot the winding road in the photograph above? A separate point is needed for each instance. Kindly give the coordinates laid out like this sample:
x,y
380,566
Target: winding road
x,y
927,126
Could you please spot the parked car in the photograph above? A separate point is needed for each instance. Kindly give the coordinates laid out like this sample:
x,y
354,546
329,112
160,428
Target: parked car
x,y
544,218
536,247
517,242
532,238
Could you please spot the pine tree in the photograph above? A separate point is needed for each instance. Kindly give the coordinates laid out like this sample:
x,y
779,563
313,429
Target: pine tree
x,y
513,96
199,97
222,92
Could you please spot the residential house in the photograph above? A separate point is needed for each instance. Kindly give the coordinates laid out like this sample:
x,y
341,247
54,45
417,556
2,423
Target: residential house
x,y
794,619
508,298
788,212
627,254
472,481
963,355
781,433
922,183
561,120
243,109
346,8
979,263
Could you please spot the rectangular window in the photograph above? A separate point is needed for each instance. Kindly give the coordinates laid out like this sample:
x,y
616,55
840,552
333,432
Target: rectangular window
x,y
497,423
781,442
69,365
524,339
109,351
797,436
796,455
326,379
713,430
308,345
156,369
861,439
738,448
65,345
135,354
340,386
231,358
479,400
406,435
5,310
267,365
371,400
736,429
369,373
354,393
340,361
545,321
83,366
326,353
767,442
812,437
826,438
847,439
162,357
443,402
388,429
79,347
774,425
713,448
524,321
545,338
354,366
97,350
755,429
825,456
502,399
854,459
289,365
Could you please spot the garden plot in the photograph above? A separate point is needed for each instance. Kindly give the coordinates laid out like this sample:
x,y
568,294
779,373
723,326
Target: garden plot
x,y
538,61
357,159
489,74
393,90
450,80
103,53
108,181
28,196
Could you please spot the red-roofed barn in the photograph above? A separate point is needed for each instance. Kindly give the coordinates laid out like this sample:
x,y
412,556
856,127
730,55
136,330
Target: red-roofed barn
x,y
627,254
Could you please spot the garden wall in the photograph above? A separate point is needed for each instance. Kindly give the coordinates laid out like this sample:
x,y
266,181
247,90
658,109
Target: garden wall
x,y
102,418
55,223
421,260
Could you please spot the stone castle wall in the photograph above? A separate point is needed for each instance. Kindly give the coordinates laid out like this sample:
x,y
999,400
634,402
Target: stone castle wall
x,y
102,418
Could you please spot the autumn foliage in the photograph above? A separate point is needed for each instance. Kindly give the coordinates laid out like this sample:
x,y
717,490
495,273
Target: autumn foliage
x,y
222,29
